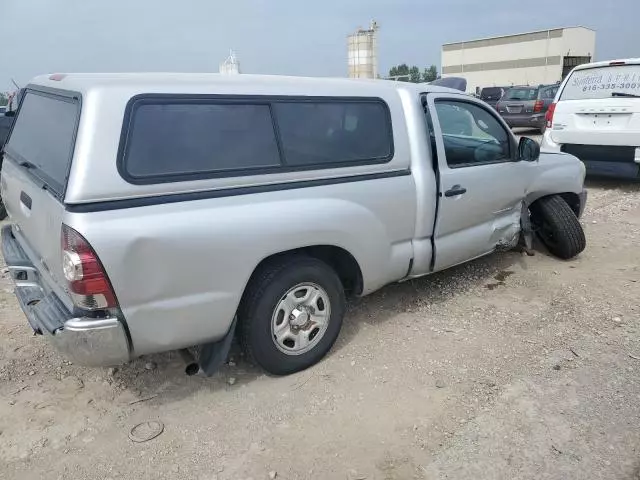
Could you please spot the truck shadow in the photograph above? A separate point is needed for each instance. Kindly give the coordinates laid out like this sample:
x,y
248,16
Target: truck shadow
x,y
162,376
407,297
604,183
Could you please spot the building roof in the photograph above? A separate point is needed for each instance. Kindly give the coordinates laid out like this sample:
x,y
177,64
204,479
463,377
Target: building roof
x,y
518,34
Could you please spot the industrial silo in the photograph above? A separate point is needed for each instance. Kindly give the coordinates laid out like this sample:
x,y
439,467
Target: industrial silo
x,y
362,47
230,66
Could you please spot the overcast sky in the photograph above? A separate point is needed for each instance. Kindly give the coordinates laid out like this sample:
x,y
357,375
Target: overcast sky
x,y
296,37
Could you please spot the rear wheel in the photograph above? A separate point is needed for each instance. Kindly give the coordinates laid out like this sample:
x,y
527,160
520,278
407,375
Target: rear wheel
x,y
3,211
291,314
558,227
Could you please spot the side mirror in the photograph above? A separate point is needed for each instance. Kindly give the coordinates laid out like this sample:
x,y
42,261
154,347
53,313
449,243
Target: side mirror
x,y
528,150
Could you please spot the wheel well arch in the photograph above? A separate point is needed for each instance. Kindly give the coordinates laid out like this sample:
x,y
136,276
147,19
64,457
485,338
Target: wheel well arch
x,y
572,199
343,263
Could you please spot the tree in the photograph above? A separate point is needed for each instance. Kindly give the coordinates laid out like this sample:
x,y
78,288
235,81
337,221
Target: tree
x,y
414,75
400,73
430,74
405,73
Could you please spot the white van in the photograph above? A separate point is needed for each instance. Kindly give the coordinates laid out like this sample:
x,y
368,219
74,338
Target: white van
x,y
596,117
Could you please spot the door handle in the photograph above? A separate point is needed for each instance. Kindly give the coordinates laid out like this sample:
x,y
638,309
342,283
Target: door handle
x,y
455,191
25,200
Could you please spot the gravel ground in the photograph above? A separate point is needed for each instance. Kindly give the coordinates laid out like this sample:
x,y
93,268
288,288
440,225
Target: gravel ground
x,y
508,367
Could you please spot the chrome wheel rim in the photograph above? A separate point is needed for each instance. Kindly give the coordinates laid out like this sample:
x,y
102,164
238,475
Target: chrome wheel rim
x,y
300,319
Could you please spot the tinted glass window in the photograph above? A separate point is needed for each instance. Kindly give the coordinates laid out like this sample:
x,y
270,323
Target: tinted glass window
x,y
603,82
471,134
43,135
333,133
491,93
199,138
548,93
521,94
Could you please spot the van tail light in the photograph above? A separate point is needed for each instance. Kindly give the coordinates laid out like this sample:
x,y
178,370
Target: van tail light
x,y
549,116
88,282
538,106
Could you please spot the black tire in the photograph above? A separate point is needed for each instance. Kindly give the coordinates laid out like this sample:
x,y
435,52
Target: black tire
x,y
558,227
266,289
3,211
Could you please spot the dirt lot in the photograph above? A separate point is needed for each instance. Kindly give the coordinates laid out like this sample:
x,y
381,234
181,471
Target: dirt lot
x,y
509,367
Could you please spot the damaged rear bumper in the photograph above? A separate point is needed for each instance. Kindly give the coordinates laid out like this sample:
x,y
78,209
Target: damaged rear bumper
x,y
84,340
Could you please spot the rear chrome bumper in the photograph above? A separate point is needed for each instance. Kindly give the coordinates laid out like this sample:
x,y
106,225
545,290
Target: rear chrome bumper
x,y
83,340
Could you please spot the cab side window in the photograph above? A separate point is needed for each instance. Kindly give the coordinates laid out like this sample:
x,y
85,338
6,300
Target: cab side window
x,y
471,134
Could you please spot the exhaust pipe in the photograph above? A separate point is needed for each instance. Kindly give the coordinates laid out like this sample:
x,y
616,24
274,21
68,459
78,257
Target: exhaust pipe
x,y
192,367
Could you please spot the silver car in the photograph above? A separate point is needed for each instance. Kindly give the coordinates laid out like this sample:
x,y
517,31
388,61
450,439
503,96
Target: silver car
x,y
155,212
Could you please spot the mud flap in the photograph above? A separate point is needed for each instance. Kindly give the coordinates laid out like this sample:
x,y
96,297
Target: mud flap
x,y
212,355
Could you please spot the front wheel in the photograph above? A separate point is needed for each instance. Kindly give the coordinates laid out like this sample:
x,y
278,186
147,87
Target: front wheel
x,y
3,211
291,314
558,227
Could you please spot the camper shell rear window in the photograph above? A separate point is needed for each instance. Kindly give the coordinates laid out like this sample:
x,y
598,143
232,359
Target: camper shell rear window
x,y
43,136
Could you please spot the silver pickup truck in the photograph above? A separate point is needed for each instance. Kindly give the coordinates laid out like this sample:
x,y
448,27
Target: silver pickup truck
x,y
156,212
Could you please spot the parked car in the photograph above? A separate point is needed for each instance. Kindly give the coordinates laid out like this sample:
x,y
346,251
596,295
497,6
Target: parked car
x,y
186,209
456,83
527,106
596,117
492,95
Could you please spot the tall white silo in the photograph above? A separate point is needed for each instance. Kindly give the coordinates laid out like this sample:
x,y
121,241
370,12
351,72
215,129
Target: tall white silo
x,y
362,48
231,66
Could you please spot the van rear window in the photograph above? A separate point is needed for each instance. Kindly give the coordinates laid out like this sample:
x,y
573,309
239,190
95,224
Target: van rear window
x,y
43,137
171,138
602,82
525,94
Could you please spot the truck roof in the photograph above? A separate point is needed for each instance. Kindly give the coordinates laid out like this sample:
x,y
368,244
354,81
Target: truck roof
x,y
217,83
621,61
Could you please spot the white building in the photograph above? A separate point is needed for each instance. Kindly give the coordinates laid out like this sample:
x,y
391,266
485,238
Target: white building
x,y
525,59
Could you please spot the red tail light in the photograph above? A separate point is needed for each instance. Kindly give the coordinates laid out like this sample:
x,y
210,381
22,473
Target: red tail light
x,y
549,116
538,106
88,283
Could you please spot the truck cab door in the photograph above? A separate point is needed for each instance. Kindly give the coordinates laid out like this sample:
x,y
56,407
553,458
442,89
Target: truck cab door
x,y
481,185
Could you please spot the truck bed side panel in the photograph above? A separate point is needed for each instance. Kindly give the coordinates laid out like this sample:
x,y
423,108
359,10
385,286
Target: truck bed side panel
x,y
179,269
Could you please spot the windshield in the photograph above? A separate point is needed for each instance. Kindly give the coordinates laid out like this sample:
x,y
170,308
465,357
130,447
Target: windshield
x,y
43,135
602,82
521,94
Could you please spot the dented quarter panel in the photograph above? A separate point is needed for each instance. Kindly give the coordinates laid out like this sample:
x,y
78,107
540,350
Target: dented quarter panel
x,y
179,272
